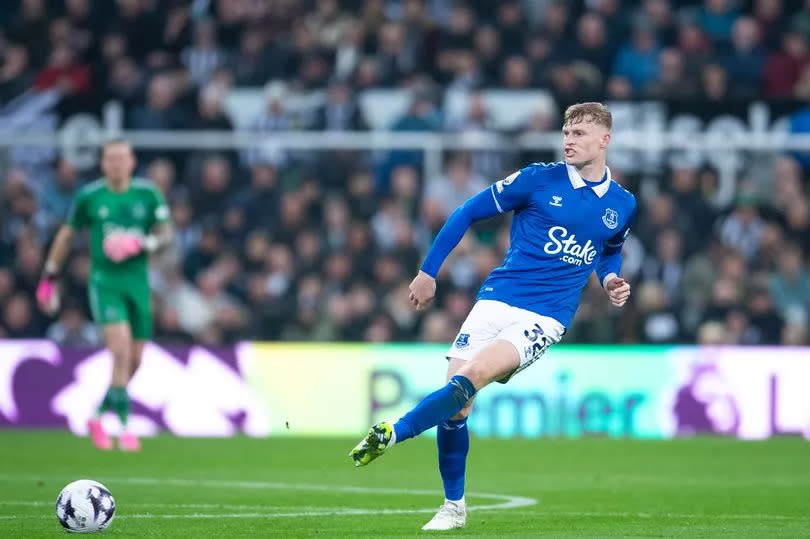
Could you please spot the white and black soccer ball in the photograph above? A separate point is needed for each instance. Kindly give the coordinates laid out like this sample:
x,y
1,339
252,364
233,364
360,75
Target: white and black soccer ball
x,y
85,506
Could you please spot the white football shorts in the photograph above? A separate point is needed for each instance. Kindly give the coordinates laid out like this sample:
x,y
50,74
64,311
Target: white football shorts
x,y
530,333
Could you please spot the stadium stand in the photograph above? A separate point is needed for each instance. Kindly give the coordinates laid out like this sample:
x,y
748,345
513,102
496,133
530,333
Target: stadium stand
x,y
299,244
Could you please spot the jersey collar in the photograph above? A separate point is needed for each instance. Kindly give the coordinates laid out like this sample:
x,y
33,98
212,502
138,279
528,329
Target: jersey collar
x,y
576,181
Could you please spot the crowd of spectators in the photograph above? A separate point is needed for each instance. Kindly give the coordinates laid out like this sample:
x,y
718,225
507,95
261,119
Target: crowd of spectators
x,y
713,50
306,245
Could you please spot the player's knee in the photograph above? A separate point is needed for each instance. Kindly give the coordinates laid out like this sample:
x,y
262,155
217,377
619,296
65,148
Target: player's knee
x,y
474,372
492,363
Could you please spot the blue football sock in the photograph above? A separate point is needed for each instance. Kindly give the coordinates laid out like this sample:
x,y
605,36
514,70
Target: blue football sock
x,y
453,440
435,408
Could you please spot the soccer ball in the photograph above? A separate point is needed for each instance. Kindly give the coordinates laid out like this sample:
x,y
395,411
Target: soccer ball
x,y
85,506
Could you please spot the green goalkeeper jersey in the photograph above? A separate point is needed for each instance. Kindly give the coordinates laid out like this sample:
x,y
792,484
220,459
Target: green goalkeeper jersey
x,y
102,211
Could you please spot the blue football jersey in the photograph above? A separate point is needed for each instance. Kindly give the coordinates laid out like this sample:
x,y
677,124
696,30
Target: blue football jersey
x,y
562,227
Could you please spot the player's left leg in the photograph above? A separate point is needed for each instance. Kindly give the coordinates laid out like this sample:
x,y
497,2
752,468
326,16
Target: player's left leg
x,y
493,362
140,316
118,338
128,441
453,443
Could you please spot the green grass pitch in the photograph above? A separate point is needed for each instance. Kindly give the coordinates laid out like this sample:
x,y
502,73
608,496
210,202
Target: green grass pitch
x,y
292,487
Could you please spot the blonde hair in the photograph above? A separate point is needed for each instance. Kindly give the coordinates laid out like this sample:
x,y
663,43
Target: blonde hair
x,y
588,112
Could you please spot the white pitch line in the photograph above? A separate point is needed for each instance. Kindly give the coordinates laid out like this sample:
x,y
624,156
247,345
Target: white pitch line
x,y
291,514
274,485
506,502
231,507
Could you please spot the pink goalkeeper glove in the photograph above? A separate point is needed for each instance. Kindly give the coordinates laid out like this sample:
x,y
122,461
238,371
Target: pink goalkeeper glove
x,y
119,246
47,294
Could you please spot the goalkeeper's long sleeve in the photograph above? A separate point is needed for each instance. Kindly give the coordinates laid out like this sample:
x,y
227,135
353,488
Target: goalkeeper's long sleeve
x,y
481,206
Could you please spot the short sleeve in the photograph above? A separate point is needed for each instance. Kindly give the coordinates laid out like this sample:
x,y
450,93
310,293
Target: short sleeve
x,y
515,191
77,216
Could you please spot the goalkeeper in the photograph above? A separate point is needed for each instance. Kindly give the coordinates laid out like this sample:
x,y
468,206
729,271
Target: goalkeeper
x,y
127,219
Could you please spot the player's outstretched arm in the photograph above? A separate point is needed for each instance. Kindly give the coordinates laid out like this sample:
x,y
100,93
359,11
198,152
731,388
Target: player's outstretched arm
x,y
47,289
481,206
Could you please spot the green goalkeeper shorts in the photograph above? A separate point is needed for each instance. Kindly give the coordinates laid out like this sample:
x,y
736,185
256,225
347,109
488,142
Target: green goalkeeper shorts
x,y
133,306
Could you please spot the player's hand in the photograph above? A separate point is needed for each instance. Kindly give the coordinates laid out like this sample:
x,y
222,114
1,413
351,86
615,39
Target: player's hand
x,y
618,291
422,290
119,246
48,294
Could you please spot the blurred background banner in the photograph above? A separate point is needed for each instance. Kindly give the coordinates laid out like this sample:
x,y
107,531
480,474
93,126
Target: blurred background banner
x,y
189,391
262,389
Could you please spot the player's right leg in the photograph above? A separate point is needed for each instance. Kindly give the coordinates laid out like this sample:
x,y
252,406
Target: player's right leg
x,y
453,444
118,338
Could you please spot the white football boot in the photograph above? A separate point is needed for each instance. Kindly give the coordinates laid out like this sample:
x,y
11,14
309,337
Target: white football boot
x,y
451,515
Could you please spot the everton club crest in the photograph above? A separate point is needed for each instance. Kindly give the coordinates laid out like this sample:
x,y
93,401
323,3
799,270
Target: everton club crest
x,y
463,340
611,218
